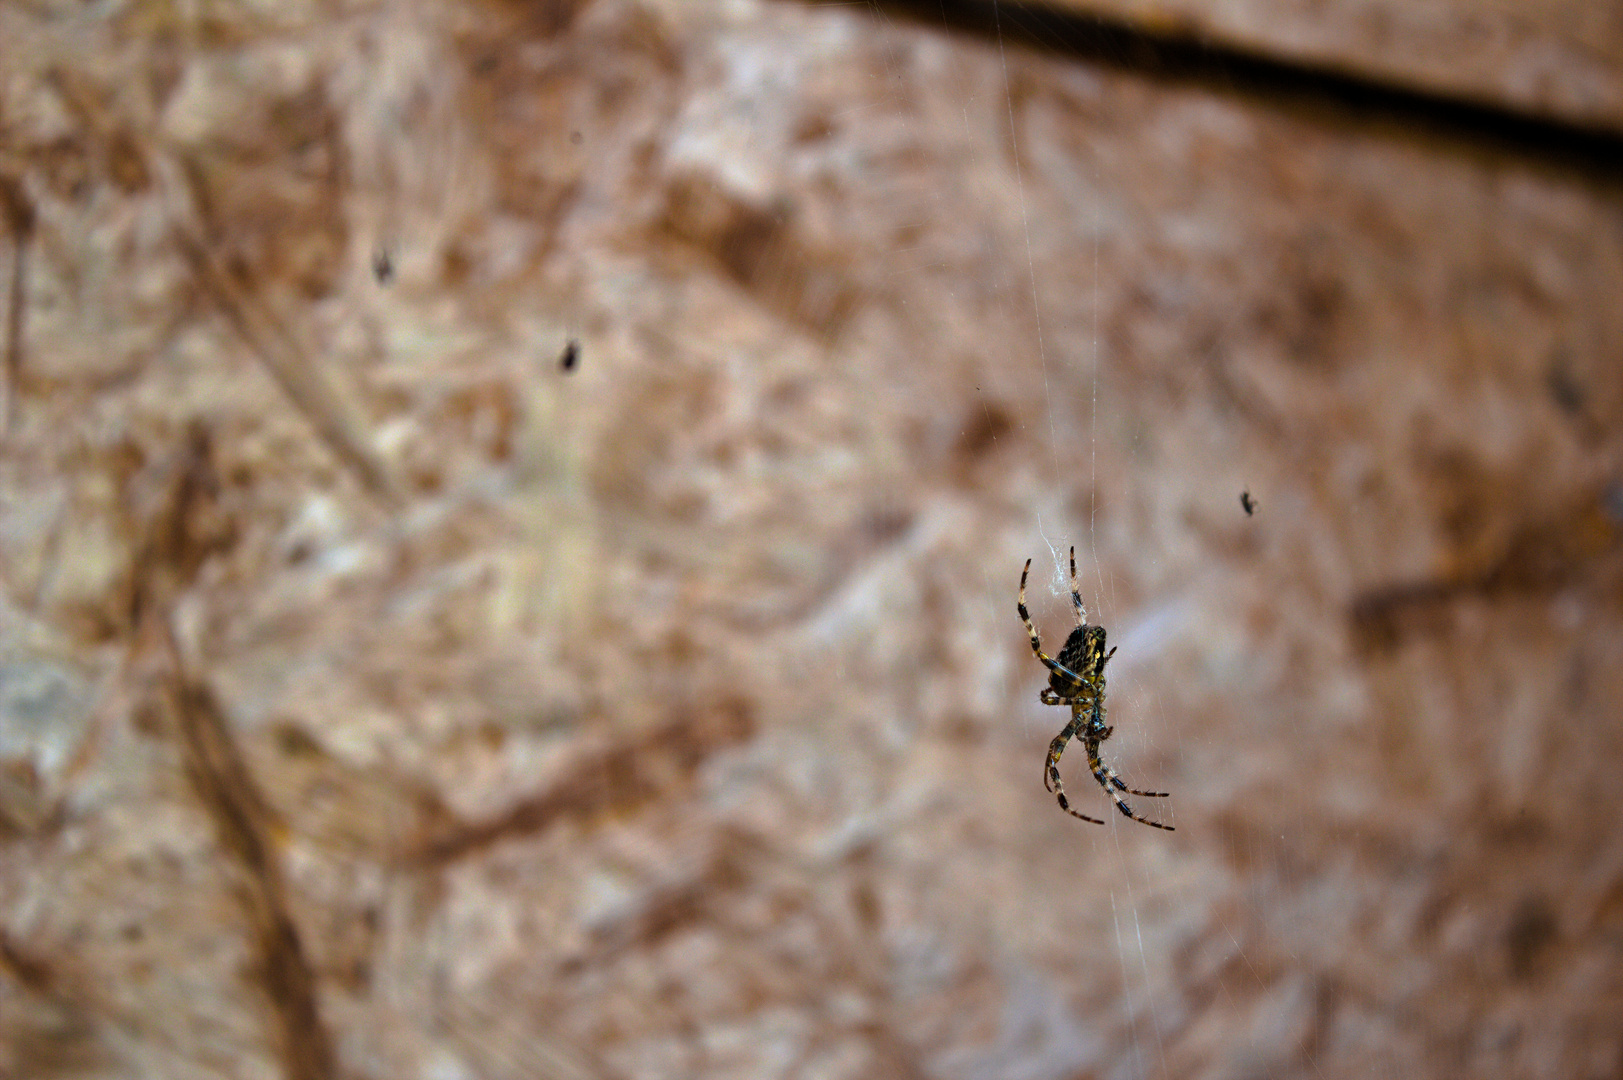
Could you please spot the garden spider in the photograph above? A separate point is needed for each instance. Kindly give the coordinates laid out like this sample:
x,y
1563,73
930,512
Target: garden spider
x,y
1077,679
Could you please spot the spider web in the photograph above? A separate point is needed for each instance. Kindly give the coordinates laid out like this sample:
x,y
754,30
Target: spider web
x,y
1138,1004
1121,864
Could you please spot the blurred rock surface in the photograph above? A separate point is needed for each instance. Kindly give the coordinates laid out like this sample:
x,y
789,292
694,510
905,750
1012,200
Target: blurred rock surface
x,y
673,718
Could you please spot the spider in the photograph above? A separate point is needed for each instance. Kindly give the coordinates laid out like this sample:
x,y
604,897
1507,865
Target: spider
x,y
1077,679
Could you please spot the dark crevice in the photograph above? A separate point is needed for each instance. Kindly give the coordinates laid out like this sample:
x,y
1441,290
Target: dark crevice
x,y
1179,57
243,822
179,527
639,768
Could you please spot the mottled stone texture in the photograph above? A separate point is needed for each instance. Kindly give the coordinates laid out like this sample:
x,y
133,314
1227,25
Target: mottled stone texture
x,y
380,699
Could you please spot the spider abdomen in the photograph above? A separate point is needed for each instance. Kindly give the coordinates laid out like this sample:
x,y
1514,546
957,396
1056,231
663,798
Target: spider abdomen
x,y
1083,654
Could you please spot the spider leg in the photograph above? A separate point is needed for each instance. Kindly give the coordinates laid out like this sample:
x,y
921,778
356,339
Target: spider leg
x,y
1051,779
1076,597
1036,643
1055,750
1110,781
1114,779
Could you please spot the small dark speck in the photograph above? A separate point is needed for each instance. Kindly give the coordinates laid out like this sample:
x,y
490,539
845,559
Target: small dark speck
x,y
1532,930
1612,500
1247,503
571,355
382,266
1565,389
574,137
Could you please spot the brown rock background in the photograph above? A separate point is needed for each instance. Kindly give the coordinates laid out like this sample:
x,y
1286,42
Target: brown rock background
x,y
380,700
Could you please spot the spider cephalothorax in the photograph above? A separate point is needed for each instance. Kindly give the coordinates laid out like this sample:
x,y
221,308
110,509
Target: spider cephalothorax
x,y
1077,679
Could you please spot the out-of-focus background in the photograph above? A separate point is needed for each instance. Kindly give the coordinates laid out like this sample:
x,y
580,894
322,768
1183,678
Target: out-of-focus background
x,y
382,696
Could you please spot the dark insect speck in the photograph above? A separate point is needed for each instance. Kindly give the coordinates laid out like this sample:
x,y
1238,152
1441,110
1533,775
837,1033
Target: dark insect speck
x,y
382,266
1247,503
571,355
